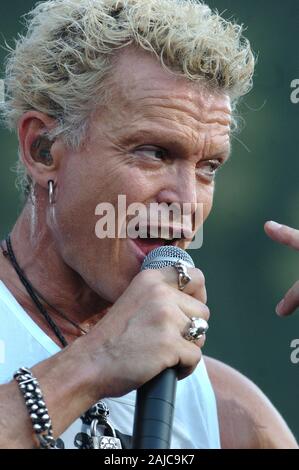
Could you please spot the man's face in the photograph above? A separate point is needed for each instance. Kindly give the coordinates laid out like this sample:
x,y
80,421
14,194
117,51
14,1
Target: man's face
x,y
160,139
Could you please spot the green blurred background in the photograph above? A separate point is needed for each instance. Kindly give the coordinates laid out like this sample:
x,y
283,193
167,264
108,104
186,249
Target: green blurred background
x,y
246,273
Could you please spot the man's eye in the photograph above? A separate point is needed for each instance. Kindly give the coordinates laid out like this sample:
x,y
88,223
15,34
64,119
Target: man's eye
x,y
208,169
157,153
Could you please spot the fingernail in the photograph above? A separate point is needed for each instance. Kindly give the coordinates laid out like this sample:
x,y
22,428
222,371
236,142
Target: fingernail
x,y
274,225
279,308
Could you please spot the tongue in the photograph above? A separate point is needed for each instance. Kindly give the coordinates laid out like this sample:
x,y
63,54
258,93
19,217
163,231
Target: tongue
x,y
148,244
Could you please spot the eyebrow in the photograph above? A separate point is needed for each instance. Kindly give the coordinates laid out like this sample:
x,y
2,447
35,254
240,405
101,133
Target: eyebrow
x,y
168,138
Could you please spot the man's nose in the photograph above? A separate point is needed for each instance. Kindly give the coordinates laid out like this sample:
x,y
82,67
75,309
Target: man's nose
x,y
180,188
180,191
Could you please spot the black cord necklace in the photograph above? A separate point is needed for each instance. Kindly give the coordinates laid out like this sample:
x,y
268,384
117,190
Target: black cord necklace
x,y
37,297
99,412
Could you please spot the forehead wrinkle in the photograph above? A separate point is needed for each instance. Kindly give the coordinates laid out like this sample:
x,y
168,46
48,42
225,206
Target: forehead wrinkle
x,y
191,130
139,77
190,136
187,112
170,89
150,117
202,111
188,141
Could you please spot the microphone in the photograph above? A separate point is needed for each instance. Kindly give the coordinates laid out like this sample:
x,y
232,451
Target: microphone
x,y
155,400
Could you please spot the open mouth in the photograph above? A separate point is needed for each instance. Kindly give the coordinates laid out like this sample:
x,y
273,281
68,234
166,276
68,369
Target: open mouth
x,y
149,243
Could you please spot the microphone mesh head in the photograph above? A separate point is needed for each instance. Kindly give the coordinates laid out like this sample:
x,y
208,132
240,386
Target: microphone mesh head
x,y
165,256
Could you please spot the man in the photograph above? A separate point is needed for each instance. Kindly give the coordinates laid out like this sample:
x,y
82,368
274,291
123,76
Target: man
x,y
117,98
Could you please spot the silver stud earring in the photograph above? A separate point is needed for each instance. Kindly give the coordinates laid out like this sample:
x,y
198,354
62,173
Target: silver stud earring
x,y
51,192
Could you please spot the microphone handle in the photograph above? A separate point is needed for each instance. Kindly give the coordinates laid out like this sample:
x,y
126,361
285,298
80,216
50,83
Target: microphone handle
x,y
154,412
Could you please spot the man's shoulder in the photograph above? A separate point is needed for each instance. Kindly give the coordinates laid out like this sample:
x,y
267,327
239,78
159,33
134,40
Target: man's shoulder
x,y
246,416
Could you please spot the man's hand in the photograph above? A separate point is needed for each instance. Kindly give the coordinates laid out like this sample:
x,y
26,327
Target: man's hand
x,y
142,334
290,237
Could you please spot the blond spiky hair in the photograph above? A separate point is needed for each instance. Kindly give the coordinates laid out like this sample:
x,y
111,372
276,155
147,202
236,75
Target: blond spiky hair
x,y
59,67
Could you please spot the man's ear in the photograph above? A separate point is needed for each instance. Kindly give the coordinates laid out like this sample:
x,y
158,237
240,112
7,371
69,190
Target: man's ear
x,y
39,154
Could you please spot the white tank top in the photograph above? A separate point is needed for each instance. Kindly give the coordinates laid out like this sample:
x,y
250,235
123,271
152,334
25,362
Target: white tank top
x,y
23,343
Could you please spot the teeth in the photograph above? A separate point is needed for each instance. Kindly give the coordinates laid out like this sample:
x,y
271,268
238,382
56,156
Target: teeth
x,y
168,238
171,240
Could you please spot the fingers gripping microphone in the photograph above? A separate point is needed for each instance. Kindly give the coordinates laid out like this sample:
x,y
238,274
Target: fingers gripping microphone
x,y
155,400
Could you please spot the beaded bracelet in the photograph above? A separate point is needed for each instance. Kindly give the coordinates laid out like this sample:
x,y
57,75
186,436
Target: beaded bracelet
x,y
36,407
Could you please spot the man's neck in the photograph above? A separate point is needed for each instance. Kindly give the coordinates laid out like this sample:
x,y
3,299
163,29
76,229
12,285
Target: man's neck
x,y
37,254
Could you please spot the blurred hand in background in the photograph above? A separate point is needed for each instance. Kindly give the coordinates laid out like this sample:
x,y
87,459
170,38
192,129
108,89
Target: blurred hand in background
x,y
290,237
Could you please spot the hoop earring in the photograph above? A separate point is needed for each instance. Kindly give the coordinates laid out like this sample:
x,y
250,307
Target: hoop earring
x,y
51,192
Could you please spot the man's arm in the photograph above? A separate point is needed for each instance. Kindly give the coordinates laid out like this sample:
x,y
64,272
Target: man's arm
x,y
247,419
